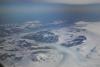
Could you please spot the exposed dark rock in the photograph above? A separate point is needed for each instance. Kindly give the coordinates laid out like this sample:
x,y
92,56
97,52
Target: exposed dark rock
x,y
77,41
2,40
5,56
37,52
23,43
37,48
7,31
12,57
43,36
1,65
18,58
33,57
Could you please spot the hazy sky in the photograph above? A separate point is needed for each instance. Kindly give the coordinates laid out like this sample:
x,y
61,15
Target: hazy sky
x,y
55,1
74,1
11,12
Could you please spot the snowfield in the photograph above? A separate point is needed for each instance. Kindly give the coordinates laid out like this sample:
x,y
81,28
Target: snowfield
x,y
29,45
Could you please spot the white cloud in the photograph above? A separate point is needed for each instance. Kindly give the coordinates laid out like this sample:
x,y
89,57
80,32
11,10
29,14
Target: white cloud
x,y
57,22
31,24
94,27
90,26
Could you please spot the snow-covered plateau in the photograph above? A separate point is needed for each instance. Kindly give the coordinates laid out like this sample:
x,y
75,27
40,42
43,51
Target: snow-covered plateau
x,y
32,44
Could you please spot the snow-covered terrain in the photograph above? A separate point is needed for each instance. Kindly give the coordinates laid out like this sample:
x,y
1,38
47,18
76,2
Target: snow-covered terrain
x,y
32,45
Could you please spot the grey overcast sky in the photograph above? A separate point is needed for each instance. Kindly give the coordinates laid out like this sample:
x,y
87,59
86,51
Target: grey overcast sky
x,y
73,1
55,1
